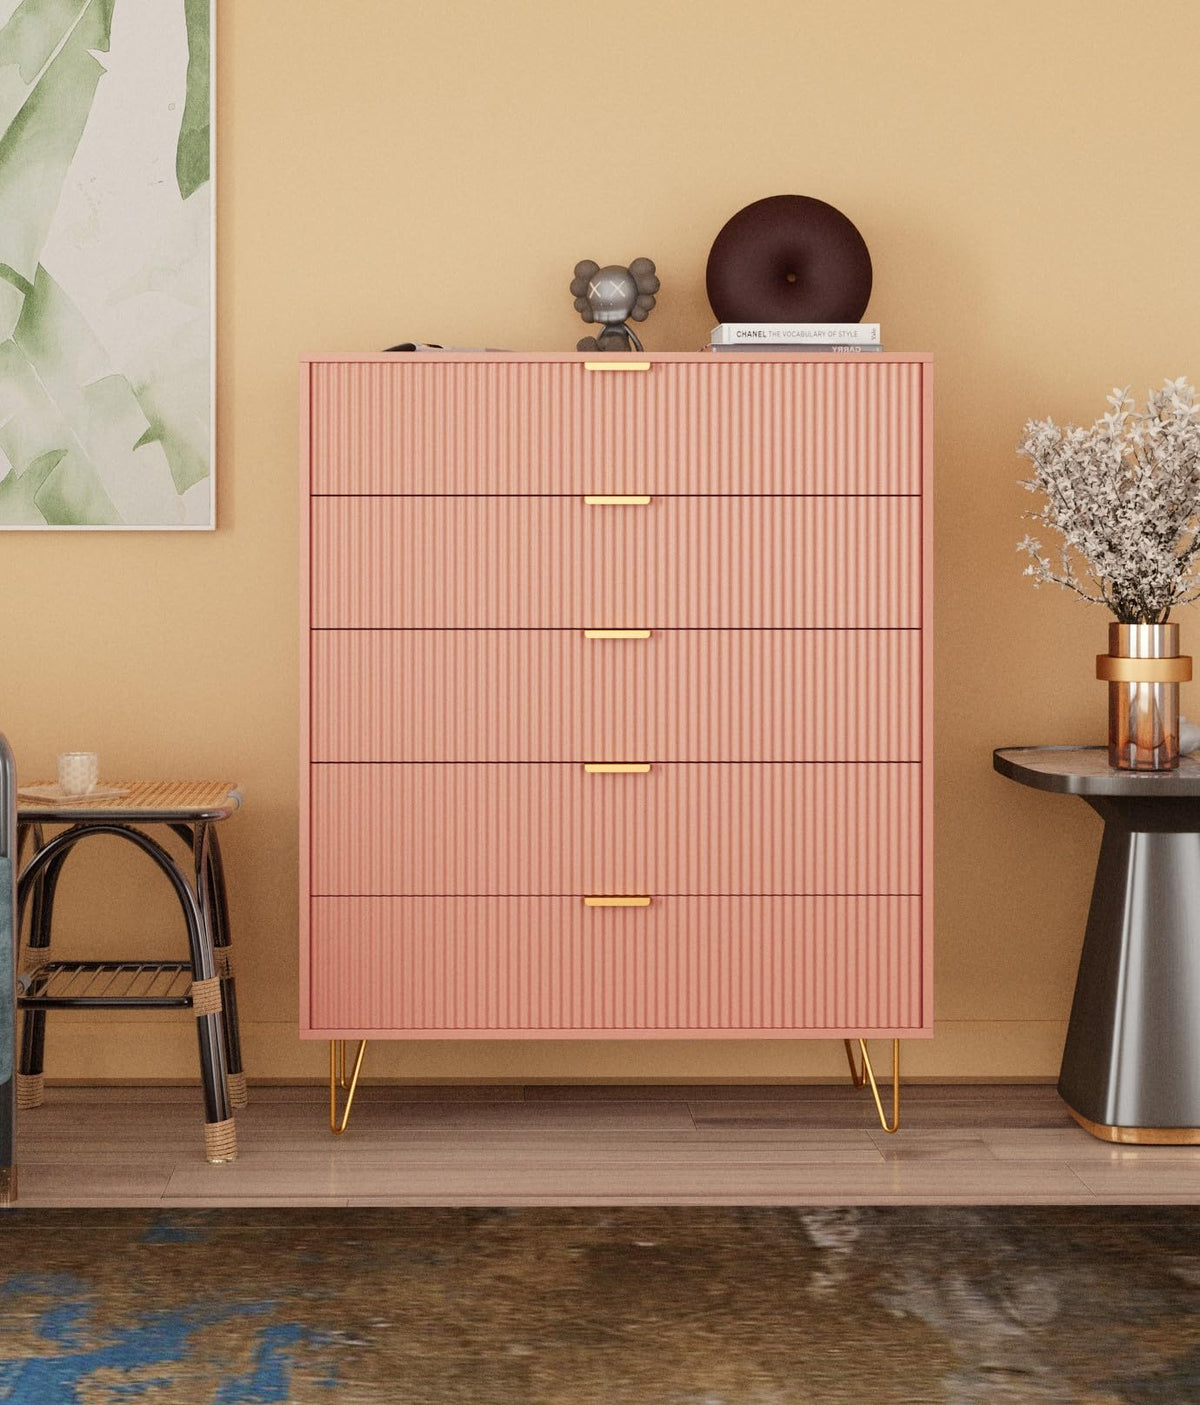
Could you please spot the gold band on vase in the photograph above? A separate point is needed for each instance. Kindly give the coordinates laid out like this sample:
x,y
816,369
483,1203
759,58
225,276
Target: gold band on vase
x,y
1110,669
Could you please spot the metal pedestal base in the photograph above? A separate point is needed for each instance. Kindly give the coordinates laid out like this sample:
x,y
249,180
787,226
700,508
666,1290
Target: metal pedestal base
x,y
1139,1136
1131,1066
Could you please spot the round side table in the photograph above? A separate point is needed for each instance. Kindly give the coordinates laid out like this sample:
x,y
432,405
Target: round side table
x,y
1131,1065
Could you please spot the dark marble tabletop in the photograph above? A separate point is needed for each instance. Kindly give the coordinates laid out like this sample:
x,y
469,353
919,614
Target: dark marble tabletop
x,y
1084,770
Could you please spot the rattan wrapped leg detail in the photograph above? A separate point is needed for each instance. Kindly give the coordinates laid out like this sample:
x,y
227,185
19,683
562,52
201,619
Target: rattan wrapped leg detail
x,y
206,996
31,1090
220,1141
236,1083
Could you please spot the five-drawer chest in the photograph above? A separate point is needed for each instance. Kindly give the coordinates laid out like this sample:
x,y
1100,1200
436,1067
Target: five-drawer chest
x,y
616,696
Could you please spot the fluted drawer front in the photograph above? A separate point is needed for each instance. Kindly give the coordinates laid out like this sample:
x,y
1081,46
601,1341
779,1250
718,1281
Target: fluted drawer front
x,y
550,966
555,829
725,425
511,563
552,695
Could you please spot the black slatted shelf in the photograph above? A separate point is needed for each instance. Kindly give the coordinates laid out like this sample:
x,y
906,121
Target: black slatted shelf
x,y
107,985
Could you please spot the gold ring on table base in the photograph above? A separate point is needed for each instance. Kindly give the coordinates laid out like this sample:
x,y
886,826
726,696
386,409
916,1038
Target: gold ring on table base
x,y
1138,1136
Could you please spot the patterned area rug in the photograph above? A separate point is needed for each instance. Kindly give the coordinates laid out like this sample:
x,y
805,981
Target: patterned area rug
x,y
601,1307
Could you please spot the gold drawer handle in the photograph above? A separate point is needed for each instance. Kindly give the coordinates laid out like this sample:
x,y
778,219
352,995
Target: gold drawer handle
x,y
1112,668
616,768
616,902
616,365
617,633
618,499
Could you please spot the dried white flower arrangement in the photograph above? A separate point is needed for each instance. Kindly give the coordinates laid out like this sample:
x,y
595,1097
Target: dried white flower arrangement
x,y
1125,497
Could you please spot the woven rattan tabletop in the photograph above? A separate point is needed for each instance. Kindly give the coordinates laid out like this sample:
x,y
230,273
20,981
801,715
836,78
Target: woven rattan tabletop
x,y
142,800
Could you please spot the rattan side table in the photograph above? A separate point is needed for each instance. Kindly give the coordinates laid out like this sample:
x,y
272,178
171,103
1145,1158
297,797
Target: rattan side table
x,y
1131,1065
204,983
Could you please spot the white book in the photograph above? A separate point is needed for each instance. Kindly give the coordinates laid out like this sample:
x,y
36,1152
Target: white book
x,y
800,348
793,333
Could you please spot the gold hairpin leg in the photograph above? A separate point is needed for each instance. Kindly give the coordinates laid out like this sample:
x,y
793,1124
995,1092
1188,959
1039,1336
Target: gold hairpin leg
x,y
866,1075
337,1079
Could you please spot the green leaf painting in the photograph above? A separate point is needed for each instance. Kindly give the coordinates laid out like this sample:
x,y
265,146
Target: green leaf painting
x,y
192,159
105,265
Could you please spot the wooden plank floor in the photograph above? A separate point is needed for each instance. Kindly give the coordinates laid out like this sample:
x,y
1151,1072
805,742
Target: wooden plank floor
x,y
586,1146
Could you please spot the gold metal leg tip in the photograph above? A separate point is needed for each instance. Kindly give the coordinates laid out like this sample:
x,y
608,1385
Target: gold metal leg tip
x,y
866,1076
338,1079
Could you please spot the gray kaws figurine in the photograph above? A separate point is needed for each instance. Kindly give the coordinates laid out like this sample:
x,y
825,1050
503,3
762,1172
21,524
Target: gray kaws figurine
x,y
612,295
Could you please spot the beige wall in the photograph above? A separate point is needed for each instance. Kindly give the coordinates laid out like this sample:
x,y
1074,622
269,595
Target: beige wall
x,y
1024,176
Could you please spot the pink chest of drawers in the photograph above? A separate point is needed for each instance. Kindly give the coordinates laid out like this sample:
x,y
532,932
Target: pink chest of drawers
x,y
715,824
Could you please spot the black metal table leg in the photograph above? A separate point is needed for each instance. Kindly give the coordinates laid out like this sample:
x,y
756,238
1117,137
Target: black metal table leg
x,y
238,1094
208,1006
31,1074
210,872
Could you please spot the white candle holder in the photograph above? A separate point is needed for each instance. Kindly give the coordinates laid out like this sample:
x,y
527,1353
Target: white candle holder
x,y
78,772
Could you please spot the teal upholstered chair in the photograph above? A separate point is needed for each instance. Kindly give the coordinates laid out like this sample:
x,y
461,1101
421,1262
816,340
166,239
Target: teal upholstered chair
x,y
8,939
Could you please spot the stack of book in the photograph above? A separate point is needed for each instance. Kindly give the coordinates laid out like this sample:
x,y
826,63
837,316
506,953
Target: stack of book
x,y
795,336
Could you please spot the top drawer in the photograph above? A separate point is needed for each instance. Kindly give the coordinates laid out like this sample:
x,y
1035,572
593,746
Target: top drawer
x,y
730,424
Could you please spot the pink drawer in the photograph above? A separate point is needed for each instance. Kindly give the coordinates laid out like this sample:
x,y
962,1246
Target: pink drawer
x,y
547,563
516,967
542,830
551,695
724,425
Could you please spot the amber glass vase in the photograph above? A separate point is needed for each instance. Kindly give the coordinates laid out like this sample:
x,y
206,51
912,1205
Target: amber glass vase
x,y
1144,668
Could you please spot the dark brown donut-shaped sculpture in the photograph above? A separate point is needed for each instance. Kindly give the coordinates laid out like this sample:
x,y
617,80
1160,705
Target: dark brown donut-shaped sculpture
x,y
789,258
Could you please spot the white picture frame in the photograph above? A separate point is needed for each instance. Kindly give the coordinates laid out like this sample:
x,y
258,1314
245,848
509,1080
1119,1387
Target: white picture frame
x,y
107,265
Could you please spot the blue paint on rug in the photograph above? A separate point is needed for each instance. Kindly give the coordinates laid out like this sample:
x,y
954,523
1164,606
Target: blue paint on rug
x,y
168,1230
64,1323
270,1379
50,1285
132,1390
155,1340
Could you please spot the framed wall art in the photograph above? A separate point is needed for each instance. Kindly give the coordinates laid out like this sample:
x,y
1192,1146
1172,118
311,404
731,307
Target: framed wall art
x,y
106,264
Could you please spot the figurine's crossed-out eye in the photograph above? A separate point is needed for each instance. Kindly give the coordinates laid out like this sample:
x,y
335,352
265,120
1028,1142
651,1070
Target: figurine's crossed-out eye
x,y
613,295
